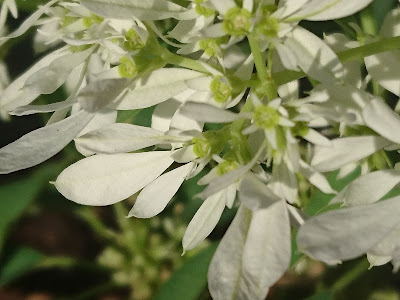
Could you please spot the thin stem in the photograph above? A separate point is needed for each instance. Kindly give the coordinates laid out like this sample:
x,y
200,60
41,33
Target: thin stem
x,y
184,62
350,276
262,71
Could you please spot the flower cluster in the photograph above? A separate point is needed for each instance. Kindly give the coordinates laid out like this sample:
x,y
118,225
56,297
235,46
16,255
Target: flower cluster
x,y
236,64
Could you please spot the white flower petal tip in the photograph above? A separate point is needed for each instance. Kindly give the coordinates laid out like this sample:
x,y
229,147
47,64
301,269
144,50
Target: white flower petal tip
x,y
154,198
106,179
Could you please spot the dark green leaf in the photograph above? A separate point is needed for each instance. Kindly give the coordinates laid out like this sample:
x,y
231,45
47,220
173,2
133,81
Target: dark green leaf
x,y
188,282
20,262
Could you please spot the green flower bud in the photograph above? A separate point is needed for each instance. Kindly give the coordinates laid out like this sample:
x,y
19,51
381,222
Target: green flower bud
x,y
201,147
133,41
93,19
226,167
266,117
300,129
204,11
221,90
237,21
127,69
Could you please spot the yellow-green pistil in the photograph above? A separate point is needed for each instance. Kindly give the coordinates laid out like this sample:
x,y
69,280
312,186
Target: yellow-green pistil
x,y
266,117
237,21
133,41
127,69
221,90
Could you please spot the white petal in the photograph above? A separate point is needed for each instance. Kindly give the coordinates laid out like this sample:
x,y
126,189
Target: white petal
x,y
207,113
143,10
34,109
254,194
98,94
157,87
346,150
368,188
106,179
316,138
321,10
316,178
381,118
41,144
154,197
204,221
267,251
119,138
350,232
314,57
225,269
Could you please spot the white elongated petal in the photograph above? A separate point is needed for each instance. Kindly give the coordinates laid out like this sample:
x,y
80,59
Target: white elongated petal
x,y
34,109
204,221
28,23
384,69
350,232
321,10
346,150
157,87
254,194
9,98
100,93
267,251
41,144
381,118
228,178
154,198
284,182
143,10
49,79
106,179
207,113
225,269
316,178
316,138
313,56
368,188
119,138
387,245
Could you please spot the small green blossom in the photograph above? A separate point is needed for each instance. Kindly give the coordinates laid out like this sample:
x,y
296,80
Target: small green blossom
x,y
204,11
201,147
221,90
226,167
133,41
237,21
93,19
300,129
266,117
127,68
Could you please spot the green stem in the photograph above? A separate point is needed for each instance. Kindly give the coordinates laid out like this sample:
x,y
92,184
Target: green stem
x,y
368,22
350,276
184,62
259,60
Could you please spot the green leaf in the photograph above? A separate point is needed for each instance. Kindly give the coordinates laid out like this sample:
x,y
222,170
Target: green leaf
x,y
15,197
322,296
20,262
29,5
188,282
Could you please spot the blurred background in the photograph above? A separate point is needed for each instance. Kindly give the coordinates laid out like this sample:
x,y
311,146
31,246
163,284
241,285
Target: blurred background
x,y
52,248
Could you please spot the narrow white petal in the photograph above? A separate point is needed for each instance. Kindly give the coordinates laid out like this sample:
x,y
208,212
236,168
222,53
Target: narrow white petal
x,y
381,118
204,221
314,57
106,179
41,144
267,251
346,150
154,197
207,113
254,194
316,178
350,232
225,268
157,87
120,138
368,188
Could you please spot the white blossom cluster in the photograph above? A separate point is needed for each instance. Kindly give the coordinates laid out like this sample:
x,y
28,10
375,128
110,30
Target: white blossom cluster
x,y
235,63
